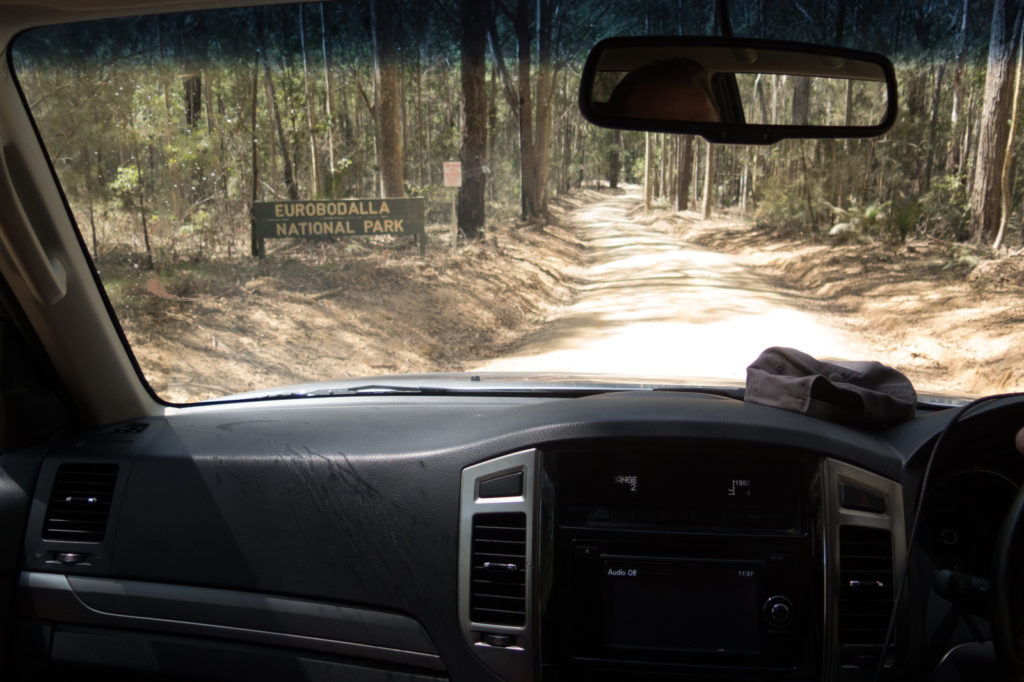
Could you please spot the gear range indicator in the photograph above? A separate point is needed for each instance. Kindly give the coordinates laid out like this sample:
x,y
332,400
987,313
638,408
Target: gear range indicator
x,y
629,481
740,487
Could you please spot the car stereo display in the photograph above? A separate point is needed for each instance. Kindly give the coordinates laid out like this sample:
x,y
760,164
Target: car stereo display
x,y
680,606
700,556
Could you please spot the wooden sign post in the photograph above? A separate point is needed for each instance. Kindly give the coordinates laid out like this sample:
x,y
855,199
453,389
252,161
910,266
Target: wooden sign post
x,y
453,179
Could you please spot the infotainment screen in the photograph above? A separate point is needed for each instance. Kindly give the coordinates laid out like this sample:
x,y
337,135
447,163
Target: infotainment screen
x,y
680,605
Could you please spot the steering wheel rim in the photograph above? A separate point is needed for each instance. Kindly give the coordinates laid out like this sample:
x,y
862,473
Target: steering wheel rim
x,y
1006,600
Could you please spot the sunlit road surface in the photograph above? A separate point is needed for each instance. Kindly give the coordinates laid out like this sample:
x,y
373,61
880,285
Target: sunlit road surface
x,y
652,305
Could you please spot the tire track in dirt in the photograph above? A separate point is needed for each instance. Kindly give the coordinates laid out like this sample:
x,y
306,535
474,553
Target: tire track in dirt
x,y
653,305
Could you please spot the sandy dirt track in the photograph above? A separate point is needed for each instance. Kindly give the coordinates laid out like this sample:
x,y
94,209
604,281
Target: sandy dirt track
x,y
652,304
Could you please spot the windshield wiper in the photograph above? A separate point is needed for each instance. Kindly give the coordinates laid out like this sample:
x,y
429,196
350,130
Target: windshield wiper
x,y
414,390
378,389
477,390
482,390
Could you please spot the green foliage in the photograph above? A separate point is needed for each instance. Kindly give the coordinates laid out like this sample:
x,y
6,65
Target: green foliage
x,y
961,257
889,220
782,210
903,216
945,209
858,223
126,185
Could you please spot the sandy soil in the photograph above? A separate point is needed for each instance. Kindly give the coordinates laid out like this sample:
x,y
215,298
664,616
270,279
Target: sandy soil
x,y
605,287
922,307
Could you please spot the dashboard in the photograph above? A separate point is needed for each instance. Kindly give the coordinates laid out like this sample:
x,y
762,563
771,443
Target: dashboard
x,y
631,535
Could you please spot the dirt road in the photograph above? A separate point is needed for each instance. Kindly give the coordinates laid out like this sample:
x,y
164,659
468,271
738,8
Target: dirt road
x,y
653,305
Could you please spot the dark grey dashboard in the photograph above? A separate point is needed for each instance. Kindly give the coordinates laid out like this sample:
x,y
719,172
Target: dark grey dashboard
x,y
332,537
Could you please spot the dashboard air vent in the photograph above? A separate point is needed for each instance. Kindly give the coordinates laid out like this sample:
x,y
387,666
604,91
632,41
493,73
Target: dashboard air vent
x,y
80,501
866,585
121,429
498,575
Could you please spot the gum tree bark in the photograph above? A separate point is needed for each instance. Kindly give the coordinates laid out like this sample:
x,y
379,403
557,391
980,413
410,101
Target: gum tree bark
x,y
470,209
685,167
986,192
709,175
387,106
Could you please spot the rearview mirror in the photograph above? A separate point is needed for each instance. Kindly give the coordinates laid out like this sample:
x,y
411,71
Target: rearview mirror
x,y
737,90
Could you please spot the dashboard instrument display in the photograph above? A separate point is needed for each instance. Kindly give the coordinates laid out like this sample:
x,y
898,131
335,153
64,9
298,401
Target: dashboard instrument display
x,y
727,492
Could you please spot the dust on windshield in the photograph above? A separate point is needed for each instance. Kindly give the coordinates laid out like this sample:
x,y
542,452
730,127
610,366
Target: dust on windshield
x,y
324,191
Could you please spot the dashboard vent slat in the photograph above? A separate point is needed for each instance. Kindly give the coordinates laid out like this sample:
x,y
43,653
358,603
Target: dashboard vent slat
x,y
866,585
79,504
498,574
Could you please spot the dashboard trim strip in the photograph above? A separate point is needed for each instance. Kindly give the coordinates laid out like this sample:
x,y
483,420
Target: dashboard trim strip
x,y
63,599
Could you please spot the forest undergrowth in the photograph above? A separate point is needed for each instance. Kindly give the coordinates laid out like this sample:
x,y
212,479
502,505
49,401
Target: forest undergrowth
x,y
332,310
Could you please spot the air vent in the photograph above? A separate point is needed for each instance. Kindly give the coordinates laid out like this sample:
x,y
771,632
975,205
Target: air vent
x,y
866,585
136,427
80,502
498,575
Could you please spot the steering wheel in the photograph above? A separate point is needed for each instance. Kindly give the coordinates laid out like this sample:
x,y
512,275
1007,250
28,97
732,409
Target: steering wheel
x,y
1008,589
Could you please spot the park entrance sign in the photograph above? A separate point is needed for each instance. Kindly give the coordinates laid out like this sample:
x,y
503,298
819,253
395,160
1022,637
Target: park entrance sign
x,y
336,219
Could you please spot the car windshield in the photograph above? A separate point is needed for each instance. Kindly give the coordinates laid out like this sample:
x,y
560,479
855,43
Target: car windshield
x,y
325,191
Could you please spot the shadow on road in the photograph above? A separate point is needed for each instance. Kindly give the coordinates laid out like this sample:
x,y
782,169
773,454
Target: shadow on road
x,y
651,304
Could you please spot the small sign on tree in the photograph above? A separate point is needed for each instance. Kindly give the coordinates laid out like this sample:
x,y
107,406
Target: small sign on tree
x,y
453,179
453,174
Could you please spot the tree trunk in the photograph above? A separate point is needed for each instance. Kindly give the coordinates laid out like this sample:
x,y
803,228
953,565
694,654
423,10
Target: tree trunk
x,y
709,174
314,162
992,134
661,165
474,103
387,105
648,180
527,162
492,124
254,141
268,84
1006,187
422,165
685,167
671,186
289,177
193,96
953,153
141,198
546,78
744,179
932,120
801,100
614,161
327,105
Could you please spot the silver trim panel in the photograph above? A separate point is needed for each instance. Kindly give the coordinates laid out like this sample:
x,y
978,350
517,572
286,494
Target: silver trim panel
x,y
514,662
835,472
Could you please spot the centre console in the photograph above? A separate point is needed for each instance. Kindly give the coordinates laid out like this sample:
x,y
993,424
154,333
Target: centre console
x,y
690,561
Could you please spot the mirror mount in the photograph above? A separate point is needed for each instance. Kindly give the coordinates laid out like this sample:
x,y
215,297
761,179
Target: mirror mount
x,y
676,84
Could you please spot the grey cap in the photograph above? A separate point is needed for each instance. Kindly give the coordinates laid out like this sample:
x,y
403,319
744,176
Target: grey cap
x,y
864,394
